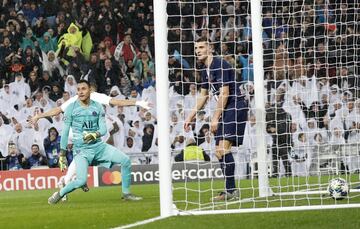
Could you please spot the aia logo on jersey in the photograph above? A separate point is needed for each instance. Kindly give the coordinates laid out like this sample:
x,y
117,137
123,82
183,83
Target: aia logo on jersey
x,y
88,125
94,113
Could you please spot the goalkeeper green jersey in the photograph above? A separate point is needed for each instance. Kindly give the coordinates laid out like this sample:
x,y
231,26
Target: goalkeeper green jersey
x,y
83,119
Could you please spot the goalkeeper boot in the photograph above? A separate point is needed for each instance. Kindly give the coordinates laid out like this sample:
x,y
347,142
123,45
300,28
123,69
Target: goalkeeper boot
x,y
85,188
54,198
131,197
61,184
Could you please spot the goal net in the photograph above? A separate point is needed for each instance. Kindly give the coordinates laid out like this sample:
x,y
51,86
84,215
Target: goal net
x,y
311,113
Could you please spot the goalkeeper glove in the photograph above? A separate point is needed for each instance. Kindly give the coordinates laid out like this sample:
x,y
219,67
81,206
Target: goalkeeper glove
x,y
62,160
144,104
90,136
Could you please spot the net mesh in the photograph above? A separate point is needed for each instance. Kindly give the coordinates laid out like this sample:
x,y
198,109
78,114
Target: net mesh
x,y
311,69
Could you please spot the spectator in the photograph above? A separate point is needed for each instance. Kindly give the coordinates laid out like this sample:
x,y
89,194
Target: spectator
x,y
278,126
131,148
147,138
70,85
208,146
144,67
52,147
299,156
74,37
51,64
111,75
33,81
190,99
19,90
56,93
6,99
45,81
126,50
20,137
144,46
27,111
36,159
192,152
47,43
14,160
109,45
4,136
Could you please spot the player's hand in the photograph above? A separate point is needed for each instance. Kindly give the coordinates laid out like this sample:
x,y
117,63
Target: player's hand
x,y
90,136
214,126
62,161
33,120
187,125
144,104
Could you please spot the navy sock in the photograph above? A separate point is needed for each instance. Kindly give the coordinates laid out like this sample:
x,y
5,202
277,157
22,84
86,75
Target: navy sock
x,y
227,165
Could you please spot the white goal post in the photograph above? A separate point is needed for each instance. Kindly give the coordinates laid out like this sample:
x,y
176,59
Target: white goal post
x,y
162,95
264,193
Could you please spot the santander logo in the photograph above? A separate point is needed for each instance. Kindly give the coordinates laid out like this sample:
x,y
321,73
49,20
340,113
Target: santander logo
x,y
28,182
35,179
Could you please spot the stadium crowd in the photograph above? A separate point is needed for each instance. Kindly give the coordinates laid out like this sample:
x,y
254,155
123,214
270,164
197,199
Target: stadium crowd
x,y
48,46
311,60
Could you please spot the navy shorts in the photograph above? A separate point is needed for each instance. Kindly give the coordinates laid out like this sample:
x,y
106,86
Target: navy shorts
x,y
232,124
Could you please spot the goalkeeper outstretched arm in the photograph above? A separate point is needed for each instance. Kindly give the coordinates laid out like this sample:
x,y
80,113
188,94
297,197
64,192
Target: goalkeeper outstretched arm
x,y
200,102
97,97
107,100
50,113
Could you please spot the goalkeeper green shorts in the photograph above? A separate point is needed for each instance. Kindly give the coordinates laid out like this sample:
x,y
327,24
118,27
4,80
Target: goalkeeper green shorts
x,y
99,154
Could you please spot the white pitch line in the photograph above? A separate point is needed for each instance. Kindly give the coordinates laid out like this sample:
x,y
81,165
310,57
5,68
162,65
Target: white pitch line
x,y
141,222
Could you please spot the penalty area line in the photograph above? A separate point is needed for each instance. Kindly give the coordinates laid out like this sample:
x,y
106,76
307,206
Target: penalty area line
x,y
141,222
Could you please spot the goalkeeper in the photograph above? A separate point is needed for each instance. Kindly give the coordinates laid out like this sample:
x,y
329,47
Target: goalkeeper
x,y
97,97
228,120
87,120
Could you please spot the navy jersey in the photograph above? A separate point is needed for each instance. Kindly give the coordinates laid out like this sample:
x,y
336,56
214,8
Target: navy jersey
x,y
232,123
219,74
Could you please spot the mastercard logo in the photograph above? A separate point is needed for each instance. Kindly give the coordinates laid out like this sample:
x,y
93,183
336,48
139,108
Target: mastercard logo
x,y
109,177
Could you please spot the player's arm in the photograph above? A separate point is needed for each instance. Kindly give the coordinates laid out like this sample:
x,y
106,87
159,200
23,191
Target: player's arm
x,y
220,105
130,102
66,129
64,139
200,102
50,113
54,111
107,100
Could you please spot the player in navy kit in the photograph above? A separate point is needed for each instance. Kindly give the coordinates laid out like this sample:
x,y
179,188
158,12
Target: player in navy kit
x,y
228,121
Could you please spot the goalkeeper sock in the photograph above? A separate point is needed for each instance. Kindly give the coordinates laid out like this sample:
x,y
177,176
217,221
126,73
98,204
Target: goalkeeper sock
x,y
227,164
81,176
121,158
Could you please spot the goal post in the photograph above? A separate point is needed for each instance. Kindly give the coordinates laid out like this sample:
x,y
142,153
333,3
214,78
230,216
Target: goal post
x,y
256,22
163,115
312,51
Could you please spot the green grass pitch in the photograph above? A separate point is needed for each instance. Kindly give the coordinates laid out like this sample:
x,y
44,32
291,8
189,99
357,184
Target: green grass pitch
x,y
103,208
